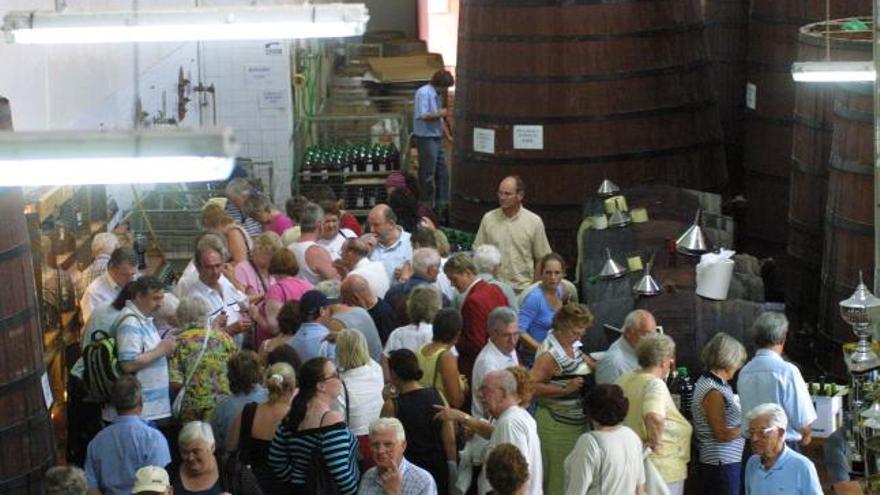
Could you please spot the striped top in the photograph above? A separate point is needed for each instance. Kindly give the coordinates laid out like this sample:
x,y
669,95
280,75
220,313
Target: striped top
x,y
291,453
567,409
711,451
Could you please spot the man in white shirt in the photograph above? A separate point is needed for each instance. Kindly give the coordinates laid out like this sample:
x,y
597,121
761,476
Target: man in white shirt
x,y
621,355
223,298
498,354
121,269
355,259
513,425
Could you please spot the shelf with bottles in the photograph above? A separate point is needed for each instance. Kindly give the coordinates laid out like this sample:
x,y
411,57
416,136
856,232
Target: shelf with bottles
x,y
326,163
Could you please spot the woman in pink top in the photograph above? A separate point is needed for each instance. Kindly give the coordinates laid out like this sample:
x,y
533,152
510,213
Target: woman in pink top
x,y
253,275
258,207
287,287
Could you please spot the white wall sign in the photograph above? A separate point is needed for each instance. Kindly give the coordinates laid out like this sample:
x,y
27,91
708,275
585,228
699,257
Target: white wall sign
x,y
484,140
273,48
258,73
47,390
272,99
528,137
751,96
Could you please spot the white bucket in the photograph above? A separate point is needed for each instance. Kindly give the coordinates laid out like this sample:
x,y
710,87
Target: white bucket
x,y
713,279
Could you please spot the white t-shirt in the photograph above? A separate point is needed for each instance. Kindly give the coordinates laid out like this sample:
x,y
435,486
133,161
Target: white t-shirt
x,y
375,275
489,359
364,386
335,245
606,462
101,292
516,426
412,337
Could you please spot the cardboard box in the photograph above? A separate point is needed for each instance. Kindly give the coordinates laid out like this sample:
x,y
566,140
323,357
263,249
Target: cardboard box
x,y
413,68
829,411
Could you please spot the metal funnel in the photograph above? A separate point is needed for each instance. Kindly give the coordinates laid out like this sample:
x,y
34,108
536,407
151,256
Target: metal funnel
x,y
607,188
647,286
619,219
611,269
693,242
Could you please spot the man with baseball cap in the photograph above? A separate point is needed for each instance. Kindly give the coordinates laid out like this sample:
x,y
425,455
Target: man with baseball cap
x,y
151,480
310,341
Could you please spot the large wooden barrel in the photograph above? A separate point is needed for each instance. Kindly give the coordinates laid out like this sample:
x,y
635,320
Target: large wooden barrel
x,y
727,35
618,89
27,445
773,46
849,221
811,151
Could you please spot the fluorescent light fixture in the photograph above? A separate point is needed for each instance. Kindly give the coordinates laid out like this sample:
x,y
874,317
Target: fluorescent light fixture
x,y
833,71
334,20
124,157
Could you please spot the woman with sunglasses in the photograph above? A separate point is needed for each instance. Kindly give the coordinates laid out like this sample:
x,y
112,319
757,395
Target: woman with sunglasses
x,y
314,440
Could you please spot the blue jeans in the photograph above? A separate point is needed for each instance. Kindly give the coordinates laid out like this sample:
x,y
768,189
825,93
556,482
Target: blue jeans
x,y
433,176
836,455
720,479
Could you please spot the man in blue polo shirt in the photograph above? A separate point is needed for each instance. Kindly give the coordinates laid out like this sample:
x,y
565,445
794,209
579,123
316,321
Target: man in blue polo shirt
x,y
128,444
429,128
776,468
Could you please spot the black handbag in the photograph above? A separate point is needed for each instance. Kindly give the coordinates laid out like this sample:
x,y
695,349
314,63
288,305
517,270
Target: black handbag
x,y
238,476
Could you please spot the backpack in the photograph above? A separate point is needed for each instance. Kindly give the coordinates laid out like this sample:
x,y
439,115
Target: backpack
x,y
101,363
101,366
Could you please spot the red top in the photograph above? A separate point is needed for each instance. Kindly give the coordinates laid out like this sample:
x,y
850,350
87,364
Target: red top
x,y
349,221
481,300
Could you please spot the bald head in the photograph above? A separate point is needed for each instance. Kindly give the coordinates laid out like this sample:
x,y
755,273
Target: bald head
x,y
355,291
638,324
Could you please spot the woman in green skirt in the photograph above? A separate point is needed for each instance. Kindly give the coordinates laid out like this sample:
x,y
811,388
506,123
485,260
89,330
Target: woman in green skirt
x,y
559,372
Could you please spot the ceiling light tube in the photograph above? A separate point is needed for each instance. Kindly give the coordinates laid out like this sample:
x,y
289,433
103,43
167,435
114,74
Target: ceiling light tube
x,y
833,71
123,157
335,20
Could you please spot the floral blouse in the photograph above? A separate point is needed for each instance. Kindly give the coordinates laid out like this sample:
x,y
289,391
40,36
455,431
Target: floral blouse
x,y
209,382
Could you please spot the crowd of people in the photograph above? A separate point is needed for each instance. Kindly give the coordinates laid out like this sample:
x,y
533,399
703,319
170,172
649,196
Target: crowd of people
x,y
328,360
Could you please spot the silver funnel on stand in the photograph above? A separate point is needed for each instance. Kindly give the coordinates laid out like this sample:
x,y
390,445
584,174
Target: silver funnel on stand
x,y
693,242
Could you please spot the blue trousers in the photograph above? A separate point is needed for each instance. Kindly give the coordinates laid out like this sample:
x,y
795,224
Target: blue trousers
x,y
720,479
433,175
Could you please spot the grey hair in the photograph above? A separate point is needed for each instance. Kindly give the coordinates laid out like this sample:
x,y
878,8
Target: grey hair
x,y
310,218
125,394
499,318
723,352
774,412
425,258
770,329
196,430
193,312
330,288
506,381
653,349
256,203
210,241
168,308
423,303
104,243
487,258
238,187
393,425
65,480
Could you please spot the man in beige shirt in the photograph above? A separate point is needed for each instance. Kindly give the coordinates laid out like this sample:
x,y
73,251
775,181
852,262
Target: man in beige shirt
x,y
517,232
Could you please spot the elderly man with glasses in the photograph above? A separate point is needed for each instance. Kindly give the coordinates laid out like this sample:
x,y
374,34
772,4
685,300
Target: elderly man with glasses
x,y
774,467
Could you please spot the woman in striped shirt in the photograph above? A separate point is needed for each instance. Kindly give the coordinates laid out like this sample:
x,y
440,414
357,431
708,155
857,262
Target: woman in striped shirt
x,y
717,415
312,430
559,373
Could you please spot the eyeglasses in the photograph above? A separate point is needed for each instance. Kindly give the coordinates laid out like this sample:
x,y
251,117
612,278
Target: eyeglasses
x,y
761,433
334,375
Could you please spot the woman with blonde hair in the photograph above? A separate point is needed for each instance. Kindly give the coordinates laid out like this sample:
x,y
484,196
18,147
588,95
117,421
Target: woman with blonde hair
x,y
252,431
215,219
364,382
558,374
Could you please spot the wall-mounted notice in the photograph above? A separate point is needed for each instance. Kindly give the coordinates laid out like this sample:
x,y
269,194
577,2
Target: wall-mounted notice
x,y
528,137
47,390
484,140
751,96
272,99
258,73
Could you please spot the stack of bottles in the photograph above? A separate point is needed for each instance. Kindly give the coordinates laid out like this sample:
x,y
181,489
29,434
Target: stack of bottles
x,y
320,162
